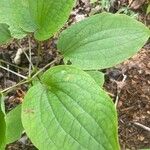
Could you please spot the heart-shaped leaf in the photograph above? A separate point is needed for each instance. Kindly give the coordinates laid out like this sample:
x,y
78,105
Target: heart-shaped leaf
x,y
49,16
18,17
102,41
44,17
69,111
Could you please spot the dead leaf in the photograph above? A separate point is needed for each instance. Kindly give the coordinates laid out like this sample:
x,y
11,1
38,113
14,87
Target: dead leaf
x,y
135,4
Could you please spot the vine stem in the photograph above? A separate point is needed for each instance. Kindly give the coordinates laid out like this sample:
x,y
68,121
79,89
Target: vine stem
x,y
3,61
14,86
41,70
30,79
31,66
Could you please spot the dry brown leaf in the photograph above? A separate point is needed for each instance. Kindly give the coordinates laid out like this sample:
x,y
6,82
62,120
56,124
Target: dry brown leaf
x,y
135,4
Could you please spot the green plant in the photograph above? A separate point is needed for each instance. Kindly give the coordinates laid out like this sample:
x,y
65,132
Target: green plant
x,y
4,34
104,4
126,10
67,108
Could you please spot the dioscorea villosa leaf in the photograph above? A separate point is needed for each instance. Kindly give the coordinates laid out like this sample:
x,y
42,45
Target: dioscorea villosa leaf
x,y
4,34
44,17
68,110
14,126
49,16
102,41
18,17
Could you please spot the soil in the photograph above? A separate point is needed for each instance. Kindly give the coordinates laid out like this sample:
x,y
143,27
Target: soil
x,y
128,83
134,99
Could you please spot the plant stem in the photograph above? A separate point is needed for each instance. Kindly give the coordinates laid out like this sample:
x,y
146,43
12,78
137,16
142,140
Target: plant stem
x,y
41,70
39,51
24,77
31,66
30,79
3,61
14,86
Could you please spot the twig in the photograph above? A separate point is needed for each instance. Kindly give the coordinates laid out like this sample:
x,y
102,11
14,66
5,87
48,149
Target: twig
x,y
3,61
117,99
24,77
119,88
142,126
41,70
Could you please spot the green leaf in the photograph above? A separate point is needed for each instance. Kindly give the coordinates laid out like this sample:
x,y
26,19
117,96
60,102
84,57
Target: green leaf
x,y
2,127
14,126
18,17
102,41
69,111
44,17
4,34
97,76
49,16
2,103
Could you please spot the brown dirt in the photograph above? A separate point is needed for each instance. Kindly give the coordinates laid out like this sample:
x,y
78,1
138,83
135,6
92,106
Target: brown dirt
x,y
134,99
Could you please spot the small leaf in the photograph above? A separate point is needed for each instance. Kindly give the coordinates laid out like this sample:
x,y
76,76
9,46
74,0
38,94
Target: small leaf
x,y
69,111
97,76
4,34
102,41
14,126
2,127
44,17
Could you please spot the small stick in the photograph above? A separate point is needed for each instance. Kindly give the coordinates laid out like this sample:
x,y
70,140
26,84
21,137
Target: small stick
x,y
14,86
30,57
119,89
142,126
3,61
13,72
117,99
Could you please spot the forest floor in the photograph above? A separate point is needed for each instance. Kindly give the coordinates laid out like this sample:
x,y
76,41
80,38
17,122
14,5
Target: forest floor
x,y
128,83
